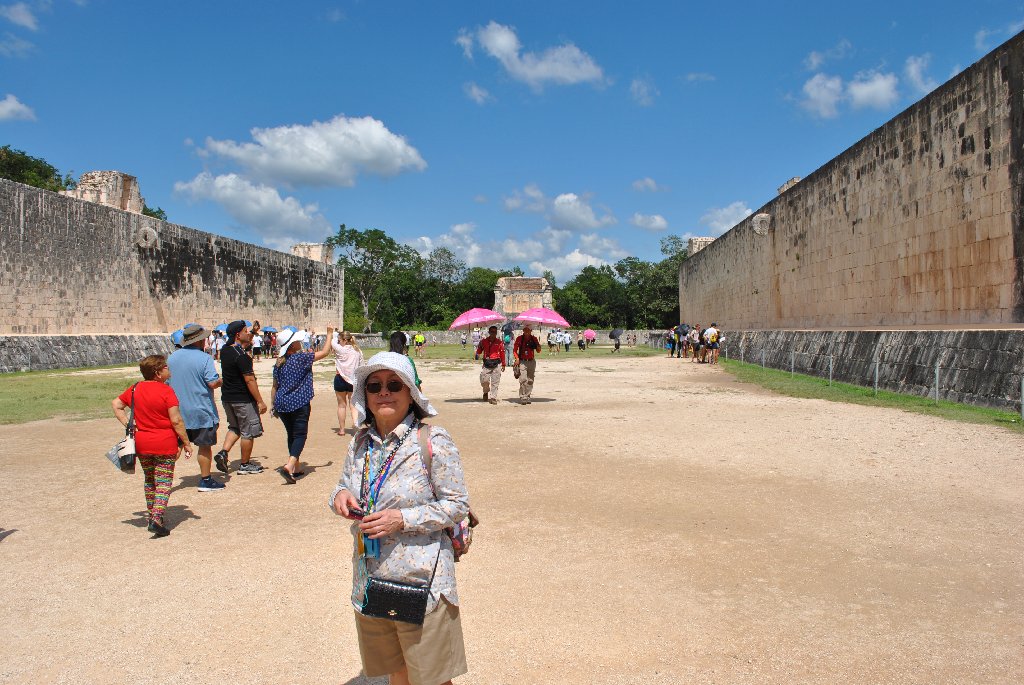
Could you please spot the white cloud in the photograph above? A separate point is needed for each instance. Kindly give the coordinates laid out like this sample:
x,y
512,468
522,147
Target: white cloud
x,y
609,248
12,109
465,41
529,199
459,239
649,222
982,36
822,94
873,89
281,222
815,59
699,77
335,15
562,65
955,70
480,199
643,91
20,14
477,94
647,184
331,153
13,46
524,250
915,73
554,238
573,213
721,219
566,266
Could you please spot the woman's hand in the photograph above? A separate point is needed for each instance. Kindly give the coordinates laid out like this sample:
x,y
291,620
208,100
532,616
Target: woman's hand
x,y
344,501
186,450
382,523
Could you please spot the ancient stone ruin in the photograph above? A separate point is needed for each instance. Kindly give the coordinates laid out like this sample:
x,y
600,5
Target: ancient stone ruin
x,y
318,252
515,294
110,188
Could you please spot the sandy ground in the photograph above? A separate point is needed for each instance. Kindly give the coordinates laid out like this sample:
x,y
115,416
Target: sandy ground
x,y
644,521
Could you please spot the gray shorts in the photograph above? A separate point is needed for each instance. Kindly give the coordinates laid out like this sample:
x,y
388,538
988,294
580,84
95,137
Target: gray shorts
x,y
204,437
243,419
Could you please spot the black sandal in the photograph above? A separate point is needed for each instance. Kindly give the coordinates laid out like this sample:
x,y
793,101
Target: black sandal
x,y
288,478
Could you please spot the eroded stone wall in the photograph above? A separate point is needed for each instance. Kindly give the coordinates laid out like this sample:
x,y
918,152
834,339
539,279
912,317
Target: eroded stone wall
x,y
917,224
70,267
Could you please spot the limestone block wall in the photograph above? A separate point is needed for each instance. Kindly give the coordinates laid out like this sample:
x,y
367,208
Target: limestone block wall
x,y
975,367
71,267
917,224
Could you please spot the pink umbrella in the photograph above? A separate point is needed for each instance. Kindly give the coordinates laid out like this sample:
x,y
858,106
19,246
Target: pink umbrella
x,y
589,334
476,317
545,317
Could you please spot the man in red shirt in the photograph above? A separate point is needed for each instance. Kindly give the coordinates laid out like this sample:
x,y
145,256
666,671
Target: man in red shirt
x,y
525,349
492,351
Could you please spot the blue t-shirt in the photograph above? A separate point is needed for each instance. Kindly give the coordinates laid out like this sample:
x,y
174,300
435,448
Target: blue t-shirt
x,y
191,370
294,382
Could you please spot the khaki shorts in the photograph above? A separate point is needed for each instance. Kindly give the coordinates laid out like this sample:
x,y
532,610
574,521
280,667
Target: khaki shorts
x,y
243,419
434,652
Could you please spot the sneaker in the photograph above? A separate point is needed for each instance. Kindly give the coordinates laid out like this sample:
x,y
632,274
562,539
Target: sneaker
x,y
493,401
158,530
221,460
249,467
208,484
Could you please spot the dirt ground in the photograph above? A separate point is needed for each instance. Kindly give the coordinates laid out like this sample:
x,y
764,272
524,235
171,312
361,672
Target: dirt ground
x,y
645,520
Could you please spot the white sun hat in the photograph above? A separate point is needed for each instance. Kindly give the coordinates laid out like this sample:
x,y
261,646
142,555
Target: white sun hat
x,y
401,365
286,338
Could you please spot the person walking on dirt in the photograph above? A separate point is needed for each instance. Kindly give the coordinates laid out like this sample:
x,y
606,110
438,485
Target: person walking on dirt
x,y
240,396
525,350
492,351
193,378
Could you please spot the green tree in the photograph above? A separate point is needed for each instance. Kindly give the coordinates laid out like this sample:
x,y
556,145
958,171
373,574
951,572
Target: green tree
x,y
373,262
18,166
157,213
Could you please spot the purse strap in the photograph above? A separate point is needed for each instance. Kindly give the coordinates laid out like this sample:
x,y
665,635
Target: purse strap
x,y
129,430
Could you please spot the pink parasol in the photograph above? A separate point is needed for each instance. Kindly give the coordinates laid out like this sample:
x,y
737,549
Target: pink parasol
x,y
589,334
476,317
545,317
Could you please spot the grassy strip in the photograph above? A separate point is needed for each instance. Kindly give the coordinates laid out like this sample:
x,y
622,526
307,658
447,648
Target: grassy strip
x,y
36,395
812,387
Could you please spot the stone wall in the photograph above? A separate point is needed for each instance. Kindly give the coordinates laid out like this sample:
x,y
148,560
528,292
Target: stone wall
x,y
975,367
71,267
40,352
917,224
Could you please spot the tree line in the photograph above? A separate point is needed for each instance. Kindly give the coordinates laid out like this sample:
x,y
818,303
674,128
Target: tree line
x,y
391,286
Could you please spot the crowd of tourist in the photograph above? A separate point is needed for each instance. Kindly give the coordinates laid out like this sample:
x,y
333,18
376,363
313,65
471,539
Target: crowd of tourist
x,y
401,484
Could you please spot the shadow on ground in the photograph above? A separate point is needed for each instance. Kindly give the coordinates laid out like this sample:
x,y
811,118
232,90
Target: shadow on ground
x,y
173,515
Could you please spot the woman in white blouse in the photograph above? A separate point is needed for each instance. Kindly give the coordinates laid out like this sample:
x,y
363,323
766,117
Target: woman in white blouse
x,y
400,508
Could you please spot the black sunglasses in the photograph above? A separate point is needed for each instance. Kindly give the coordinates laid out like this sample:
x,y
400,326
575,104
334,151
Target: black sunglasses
x,y
374,387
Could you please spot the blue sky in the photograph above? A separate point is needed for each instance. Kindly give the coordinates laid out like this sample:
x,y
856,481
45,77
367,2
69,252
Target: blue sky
x,y
549,135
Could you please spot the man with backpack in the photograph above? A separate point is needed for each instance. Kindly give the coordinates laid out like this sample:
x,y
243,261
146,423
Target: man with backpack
x,y
712,335
525,350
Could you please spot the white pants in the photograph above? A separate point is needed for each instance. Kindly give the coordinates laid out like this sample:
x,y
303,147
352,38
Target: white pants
x,y
490,379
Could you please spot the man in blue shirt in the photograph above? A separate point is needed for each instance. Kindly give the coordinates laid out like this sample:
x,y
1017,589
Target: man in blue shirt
x,y
193,379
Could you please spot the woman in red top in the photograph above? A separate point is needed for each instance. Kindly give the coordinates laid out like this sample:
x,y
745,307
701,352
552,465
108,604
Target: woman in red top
x,y
160,435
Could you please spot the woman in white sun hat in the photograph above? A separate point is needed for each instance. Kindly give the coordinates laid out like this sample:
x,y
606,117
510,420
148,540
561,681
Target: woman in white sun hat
x,y
293,392
401,497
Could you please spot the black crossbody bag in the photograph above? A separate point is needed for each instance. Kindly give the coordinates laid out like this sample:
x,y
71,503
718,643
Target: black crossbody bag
x,y
398,601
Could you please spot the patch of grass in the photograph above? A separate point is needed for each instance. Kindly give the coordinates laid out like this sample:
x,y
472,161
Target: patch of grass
x,y
36,395
812,387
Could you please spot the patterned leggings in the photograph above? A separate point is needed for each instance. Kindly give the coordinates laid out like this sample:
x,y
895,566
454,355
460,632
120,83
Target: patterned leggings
x,y
159,472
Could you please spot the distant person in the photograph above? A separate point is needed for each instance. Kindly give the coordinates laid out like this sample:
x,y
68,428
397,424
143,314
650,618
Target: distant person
x,y
160,435
526,349
476,341
257,345
347,358
567,340
581,342
241,399
712,336
419,340
492,352
293,393
399,344
506,340
194,377
695,342
462,339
